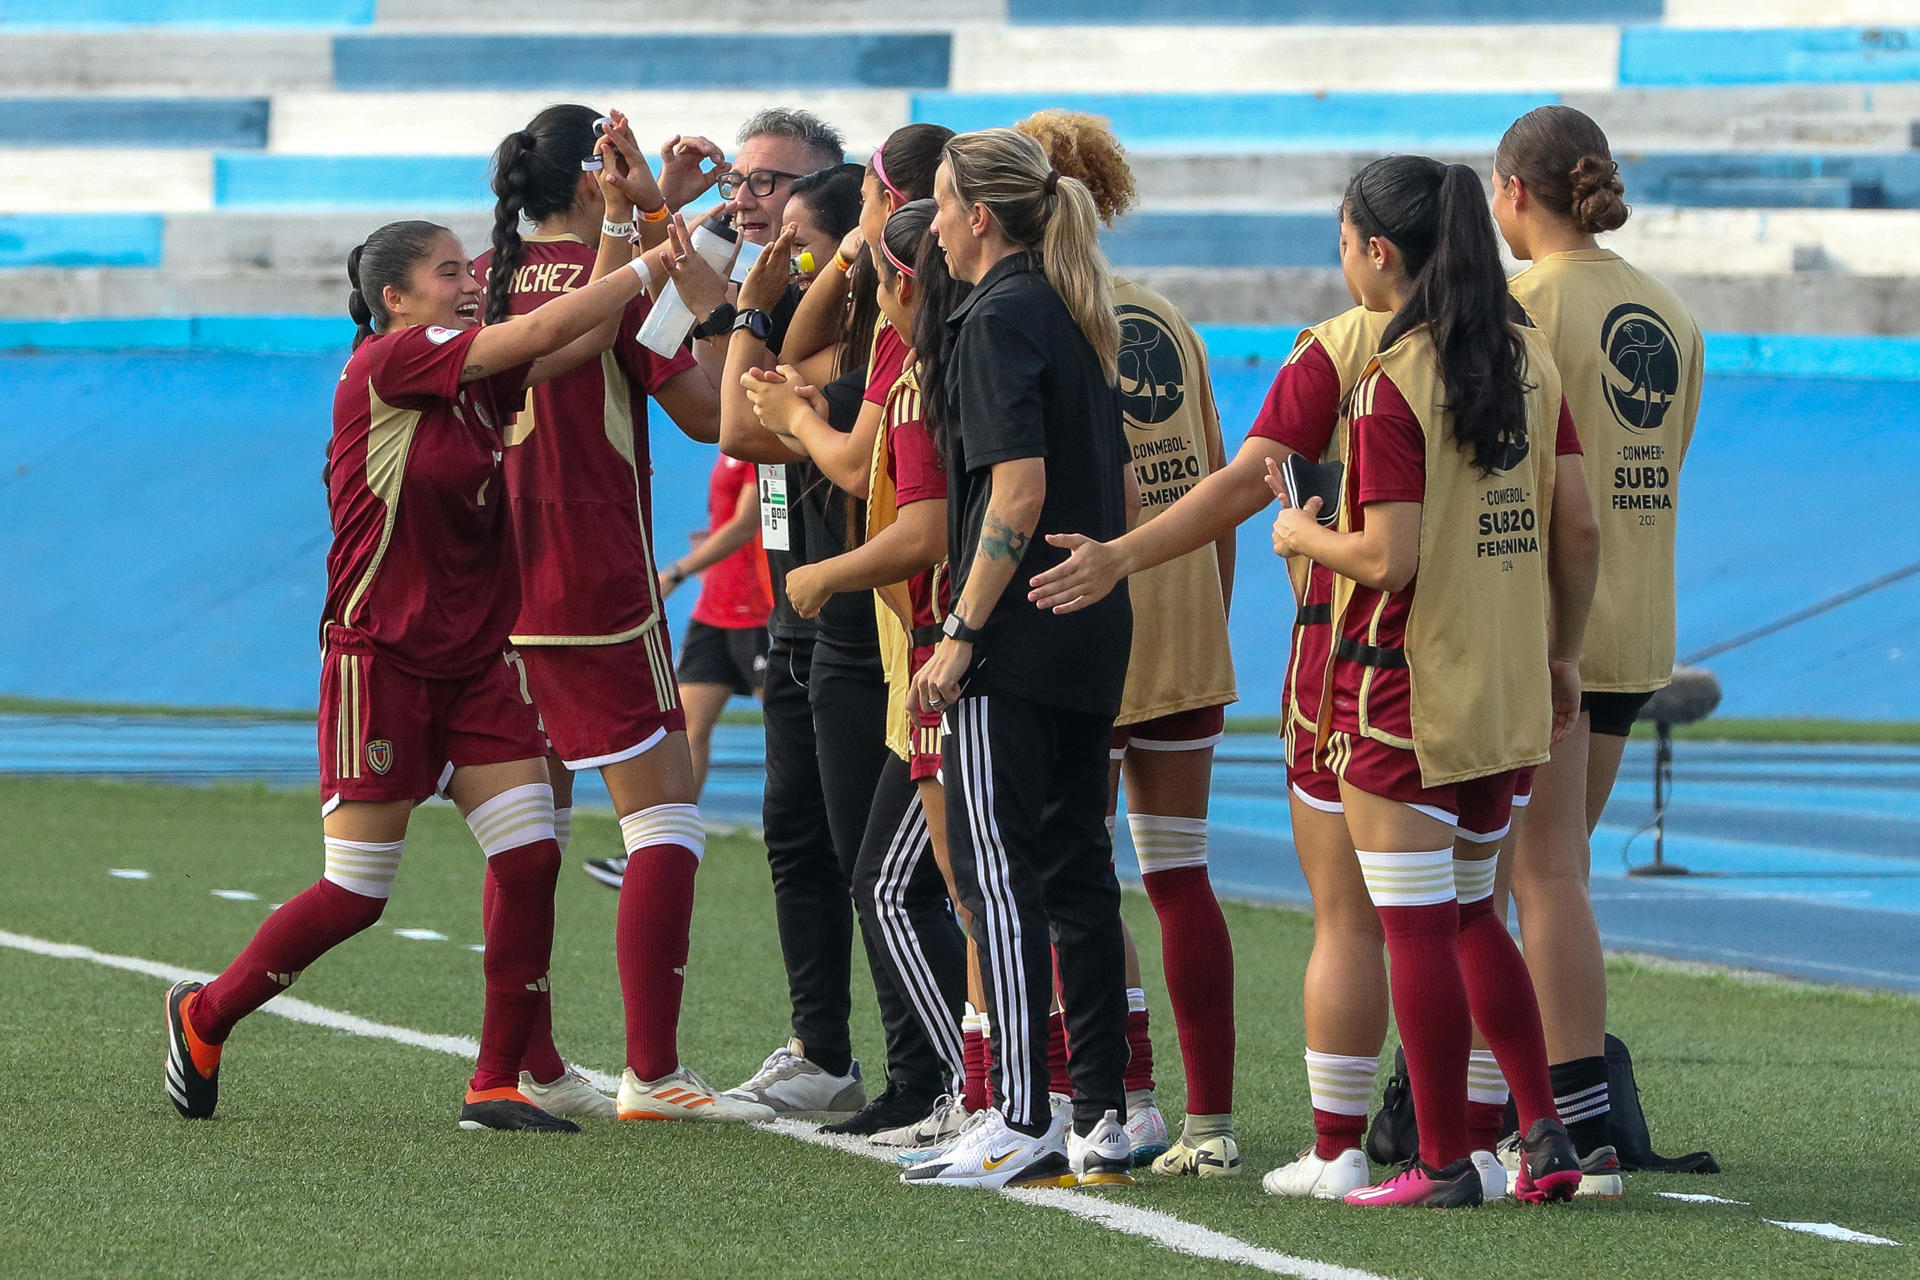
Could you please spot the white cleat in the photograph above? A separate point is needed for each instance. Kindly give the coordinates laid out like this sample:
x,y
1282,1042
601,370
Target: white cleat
x,y
1104,1158
1310,1176
991,1154
1493,1176
791,1085
570,1096
943,1124
1215,1156
683,1096
1146,1127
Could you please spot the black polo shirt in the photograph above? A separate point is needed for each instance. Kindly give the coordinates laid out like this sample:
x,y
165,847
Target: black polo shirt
x,y
1027,384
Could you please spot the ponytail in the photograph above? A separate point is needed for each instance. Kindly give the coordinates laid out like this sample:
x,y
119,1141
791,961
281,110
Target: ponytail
x,y
387,257
1436,215
536,174
1048,214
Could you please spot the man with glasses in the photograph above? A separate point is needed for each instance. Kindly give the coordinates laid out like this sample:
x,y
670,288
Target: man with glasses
x,y
774,147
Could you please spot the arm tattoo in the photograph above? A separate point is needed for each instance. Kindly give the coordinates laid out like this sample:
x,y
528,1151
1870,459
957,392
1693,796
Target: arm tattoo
x,y
474,371
1000,541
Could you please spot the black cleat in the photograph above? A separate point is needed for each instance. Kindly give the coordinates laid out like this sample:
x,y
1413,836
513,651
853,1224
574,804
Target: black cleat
x,y
1549,1167
193,1094
892,1109
508,1109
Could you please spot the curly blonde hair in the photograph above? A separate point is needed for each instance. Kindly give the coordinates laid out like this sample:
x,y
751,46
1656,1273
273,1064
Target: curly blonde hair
x,y
1082,146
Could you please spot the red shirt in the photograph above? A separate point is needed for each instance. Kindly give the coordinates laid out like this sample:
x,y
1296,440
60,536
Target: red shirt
x,y
422,557
889,361
579,473
918,474
733,593
1389,464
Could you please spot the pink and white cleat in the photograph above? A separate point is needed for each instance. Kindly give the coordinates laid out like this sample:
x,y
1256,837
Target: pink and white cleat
x,y
1455,1187
1549,1166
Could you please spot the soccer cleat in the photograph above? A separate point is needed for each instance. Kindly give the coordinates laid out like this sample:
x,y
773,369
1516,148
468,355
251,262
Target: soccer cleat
x,y
1549,1168
941,1125
571,1096
992,1154
1214,1156
789,1085
1146,1127
608,871
193,1065
1455,1187
1104,1158
890,1110
683,1096
1310,1176
1600,1175
509,1110
1493,1176
1394,1136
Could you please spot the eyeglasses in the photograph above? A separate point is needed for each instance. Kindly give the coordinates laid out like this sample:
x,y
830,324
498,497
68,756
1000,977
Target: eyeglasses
x,y
760,182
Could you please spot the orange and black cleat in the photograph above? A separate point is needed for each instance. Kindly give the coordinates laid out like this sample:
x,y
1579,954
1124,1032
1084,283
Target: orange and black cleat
x,y
193,1065
509,1109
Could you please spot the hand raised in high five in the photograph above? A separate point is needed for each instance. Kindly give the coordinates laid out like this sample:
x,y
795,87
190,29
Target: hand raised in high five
x,y
767,279
625,177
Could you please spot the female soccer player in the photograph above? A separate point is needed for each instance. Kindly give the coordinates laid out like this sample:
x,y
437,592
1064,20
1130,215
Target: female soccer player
x,y
1630,354
1436,697
902,877
591,628
1179,680
1037,447
419,690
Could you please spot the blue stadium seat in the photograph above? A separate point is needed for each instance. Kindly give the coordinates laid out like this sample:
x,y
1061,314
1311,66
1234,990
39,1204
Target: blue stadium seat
x,y
1788,55
1224,240
470,62
133,122
1735,179
256,181
72,14
80,240
1326,12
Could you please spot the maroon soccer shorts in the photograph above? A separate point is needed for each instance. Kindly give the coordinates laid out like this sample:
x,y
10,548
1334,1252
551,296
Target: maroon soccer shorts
x,y
1191,730
602,704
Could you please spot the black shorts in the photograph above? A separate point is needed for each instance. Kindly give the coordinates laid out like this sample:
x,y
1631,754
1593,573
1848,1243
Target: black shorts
x,y
1613,713
733,656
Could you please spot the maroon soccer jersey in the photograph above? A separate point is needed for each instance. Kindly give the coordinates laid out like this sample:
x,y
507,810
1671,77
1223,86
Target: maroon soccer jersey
x,y
888,363
1303,405
578,471
733,593
914,463
422,559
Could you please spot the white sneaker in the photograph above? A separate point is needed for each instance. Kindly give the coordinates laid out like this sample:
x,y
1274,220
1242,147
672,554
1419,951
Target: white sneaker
x,y
569,1096
1309,1175
1146,1127
1215,1156
939,1149
1507,1152
1493,1176
990,1154
1104,1157
788,1084
942,1124
682,1096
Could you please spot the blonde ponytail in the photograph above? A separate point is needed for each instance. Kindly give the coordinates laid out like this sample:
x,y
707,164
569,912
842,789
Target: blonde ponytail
x,y
1049,214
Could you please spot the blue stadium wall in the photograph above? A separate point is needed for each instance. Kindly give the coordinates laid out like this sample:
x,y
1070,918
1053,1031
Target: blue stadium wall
x,y
163,531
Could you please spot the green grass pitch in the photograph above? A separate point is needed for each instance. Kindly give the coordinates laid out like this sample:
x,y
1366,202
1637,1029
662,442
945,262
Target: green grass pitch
x,y
337,1155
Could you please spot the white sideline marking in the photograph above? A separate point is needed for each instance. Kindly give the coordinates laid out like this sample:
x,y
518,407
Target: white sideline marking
x,y
1828,1231
477,946
1159,1228
236,895
129,873
420,935
1697,1197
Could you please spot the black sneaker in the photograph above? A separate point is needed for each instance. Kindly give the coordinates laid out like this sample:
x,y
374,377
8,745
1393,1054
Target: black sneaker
x,y
1394,1138
508,1109
608,871
193,1094
1549,1167
892,1109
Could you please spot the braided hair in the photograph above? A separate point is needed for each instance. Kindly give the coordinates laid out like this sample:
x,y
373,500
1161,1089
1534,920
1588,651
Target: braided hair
x,y
536,173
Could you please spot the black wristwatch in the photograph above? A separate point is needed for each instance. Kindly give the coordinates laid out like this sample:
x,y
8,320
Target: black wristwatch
x,y
954,629
718,321
756,322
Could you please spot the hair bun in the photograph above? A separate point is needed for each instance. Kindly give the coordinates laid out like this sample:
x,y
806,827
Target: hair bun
x,y
1598,197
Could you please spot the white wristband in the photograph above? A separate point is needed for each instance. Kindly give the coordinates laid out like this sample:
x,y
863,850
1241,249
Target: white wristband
x,y
640,268
624,230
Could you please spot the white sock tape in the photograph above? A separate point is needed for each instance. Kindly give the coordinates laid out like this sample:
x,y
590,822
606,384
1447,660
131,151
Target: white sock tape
x,y
1484,1082
563,827
365,869
1341,1084
1167,844
1422,879
517,816
1473,880
665,824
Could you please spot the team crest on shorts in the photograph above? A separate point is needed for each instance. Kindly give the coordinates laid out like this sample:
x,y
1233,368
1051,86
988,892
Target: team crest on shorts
x,y
380,756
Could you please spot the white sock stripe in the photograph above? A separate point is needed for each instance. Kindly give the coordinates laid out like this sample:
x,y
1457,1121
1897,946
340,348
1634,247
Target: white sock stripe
x,y
1574,1115
1136,1000
563,827
911,842
1418,879
1167,844
363,868
1484,1081
1340,1084
1473,880
1587,1094
665,824
1003,919
516,817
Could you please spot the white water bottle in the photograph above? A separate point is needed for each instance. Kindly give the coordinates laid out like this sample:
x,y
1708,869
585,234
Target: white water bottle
x,y
669,322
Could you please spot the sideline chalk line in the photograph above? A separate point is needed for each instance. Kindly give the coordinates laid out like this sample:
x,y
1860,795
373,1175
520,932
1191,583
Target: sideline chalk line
x,y
1152,1225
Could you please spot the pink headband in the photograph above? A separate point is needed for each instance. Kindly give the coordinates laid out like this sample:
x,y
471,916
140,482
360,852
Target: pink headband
x,y
880,172
898,265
